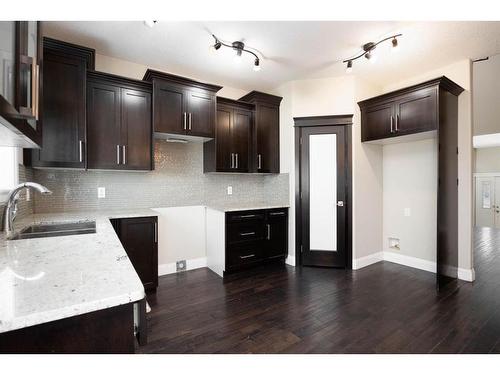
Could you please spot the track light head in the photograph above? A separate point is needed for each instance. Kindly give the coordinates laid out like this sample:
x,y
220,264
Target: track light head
x,y
349,67
256,65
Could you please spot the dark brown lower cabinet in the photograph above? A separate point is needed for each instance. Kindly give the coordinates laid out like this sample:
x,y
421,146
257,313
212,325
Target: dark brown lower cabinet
x,y
255,237
106,331
139,237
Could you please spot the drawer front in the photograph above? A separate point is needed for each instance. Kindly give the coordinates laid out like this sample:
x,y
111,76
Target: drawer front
x,y
245,231
244,254
245,216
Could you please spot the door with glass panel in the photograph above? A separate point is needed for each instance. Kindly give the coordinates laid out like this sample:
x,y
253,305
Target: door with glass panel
x,y
323,177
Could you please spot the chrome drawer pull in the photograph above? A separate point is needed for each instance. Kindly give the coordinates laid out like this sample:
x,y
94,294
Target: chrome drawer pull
x,y
246,256
247,234
246,216
276,213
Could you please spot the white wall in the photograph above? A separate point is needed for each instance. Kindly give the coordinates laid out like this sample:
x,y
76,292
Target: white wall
x,y
487,160
459,72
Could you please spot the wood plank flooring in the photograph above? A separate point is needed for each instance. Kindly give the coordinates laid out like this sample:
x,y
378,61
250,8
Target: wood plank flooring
x,y
384,308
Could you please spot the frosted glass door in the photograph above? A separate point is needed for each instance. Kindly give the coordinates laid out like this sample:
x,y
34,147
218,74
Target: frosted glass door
x,y
323,192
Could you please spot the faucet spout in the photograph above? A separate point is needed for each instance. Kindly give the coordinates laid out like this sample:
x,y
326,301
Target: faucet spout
x,y
11,206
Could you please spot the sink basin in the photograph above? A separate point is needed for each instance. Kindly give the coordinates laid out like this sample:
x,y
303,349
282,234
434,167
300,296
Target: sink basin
x,y
55,230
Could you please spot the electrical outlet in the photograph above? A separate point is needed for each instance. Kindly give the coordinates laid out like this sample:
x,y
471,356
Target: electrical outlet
x,y
229,190
407,212
180,265
101,192
394,243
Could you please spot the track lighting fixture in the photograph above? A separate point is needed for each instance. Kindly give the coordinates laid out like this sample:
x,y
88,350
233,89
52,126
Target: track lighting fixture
x,y
238,48
369,51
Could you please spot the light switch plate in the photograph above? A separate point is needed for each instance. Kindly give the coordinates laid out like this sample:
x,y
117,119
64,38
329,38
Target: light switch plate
x,y
101,192
407,212
229,190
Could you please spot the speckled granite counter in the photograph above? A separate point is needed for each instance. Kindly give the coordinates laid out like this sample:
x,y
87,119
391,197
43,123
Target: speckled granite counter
x,y
47,279
245,207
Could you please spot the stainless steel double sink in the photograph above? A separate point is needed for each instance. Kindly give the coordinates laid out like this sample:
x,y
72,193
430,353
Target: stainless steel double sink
x,y
55,230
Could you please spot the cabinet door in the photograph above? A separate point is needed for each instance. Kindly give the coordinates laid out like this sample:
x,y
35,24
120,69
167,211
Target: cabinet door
x,y
417,112
277,234
139,239
240,137
201,114
169,112
377,122
223,139
64,102
136,128
103,126
267,139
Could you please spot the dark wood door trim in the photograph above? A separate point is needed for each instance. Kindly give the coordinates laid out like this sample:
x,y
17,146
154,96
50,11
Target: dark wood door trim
x,y
341,121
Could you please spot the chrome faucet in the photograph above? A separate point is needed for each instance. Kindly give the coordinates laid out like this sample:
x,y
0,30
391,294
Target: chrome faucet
x,y
10,211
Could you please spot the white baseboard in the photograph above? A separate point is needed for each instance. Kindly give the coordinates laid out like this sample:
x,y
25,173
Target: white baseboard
x,y
405,260
290,260
409,261
367,260
191,264
467,274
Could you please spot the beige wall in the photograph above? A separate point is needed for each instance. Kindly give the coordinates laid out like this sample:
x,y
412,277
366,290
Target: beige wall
x,y
486,86
129,69
487,160
460,72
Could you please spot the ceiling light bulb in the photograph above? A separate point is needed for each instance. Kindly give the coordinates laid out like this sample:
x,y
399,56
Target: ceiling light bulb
x,y
373,57
349,67
150,23
215,47
394,45
256,65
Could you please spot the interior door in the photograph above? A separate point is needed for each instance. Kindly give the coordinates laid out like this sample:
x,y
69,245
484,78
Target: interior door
x,y
136,121
201,107
496,207
323,195
486,203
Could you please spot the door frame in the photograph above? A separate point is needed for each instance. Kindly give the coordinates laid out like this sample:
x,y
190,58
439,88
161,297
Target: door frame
x,y
344,121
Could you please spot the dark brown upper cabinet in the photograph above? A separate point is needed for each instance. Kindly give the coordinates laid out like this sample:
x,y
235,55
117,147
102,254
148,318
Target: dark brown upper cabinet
x,y
21,91
266,132
64,105
230,151
182,108
407,111
119,124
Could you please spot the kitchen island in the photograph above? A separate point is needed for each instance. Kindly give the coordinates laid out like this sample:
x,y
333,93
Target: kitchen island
x,y
71,293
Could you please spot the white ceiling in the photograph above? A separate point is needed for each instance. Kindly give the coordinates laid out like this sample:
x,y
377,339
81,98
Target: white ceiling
x,y
289,50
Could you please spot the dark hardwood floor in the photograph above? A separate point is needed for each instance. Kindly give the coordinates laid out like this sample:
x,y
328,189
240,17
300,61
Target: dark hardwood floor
x,y
384,308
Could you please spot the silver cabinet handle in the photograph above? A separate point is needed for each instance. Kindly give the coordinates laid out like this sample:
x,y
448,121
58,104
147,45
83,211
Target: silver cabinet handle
x,y
268,231
117,154
124,150
232,160
156,232
190,117
236,160
397,123
277,213
246,216
259,158
247,234
392,121
247,256
80,150
185,120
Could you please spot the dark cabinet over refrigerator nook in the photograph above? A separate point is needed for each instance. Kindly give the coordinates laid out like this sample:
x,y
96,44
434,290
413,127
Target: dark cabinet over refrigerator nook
x,y
425,110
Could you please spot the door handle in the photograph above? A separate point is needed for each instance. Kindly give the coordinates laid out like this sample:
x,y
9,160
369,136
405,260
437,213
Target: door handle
x,y
156,232
190,116
80,150
185,121
117,154
124,150
340,203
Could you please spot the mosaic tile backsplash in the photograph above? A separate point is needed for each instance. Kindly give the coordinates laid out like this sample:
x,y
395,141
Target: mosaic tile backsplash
x,y
178,180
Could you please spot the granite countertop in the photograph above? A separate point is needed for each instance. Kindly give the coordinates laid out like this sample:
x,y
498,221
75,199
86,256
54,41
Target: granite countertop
x,y
244,207
46,279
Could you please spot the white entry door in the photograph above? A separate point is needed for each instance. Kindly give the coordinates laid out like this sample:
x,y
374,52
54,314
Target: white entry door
x,y
487,202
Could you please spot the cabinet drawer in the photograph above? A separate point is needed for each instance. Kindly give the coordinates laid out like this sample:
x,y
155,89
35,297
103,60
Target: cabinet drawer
x,y
245,231
244,254
245,216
